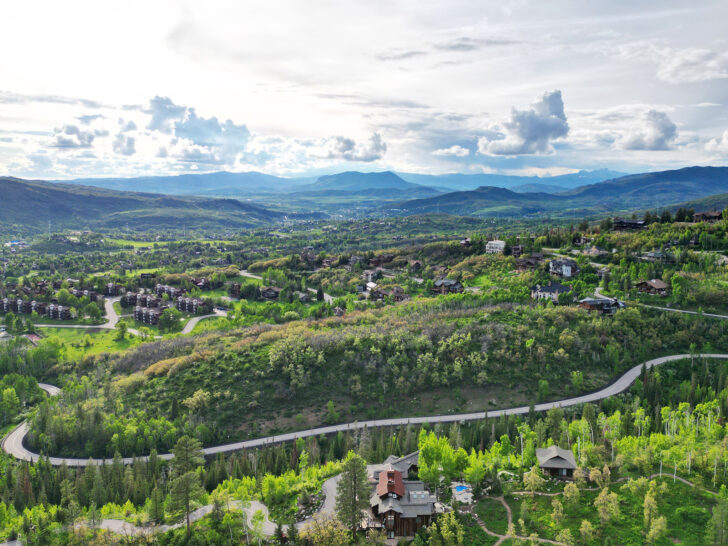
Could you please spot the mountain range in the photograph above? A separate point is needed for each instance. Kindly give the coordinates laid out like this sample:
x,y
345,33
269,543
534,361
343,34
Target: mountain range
x,y
346,194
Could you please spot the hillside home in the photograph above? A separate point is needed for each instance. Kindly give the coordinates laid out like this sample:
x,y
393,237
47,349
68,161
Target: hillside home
x,y
400,506
495,246
447,286
710,216
606,306
654,287
147,315
517,251
563,267
619,224
550,291
556,462
270,292
111,289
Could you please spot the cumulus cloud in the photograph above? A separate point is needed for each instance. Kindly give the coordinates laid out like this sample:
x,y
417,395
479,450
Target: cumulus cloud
x,y
87,119
341,147
718,145
164,113
655,132
456,150
529,131
72,136
124,144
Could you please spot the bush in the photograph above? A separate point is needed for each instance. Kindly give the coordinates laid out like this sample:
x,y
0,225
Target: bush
x,y
693,514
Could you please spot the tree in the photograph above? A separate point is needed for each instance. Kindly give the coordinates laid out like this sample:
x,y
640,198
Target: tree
x,y
156,510
532,480
325,531
121,329
565,536
657,529
607,505
557,516
186,486
352,491
446,531
320,294
169,320
717,530
586,530
577,380
571,493
188,455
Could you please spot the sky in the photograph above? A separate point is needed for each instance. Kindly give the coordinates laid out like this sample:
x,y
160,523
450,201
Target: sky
x,y
296,88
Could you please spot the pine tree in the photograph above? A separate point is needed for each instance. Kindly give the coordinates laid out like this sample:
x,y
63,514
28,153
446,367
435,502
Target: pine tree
x,y
156,511
188,455
352,491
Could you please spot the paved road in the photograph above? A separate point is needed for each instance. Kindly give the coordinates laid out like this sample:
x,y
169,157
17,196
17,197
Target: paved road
x,y
194,320
327,297
13,442
671,310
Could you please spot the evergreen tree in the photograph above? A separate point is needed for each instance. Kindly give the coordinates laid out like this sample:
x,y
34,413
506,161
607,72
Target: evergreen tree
x,y
717,531
352,491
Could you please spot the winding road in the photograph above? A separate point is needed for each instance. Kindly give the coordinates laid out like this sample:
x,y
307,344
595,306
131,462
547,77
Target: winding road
x,y
13,442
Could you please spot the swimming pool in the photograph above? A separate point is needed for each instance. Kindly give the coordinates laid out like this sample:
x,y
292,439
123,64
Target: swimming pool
x,y
459,488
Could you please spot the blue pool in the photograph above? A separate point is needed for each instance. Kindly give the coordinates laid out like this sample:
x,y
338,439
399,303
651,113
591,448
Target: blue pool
x,y
459,488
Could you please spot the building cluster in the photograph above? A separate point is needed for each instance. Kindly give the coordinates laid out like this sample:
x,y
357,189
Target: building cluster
x,y
25,307
172,291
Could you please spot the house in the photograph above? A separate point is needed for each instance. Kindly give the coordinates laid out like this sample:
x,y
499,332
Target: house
x,y
396,293
654,287
327,262
606,306
517,251
338,312
595,252
130,298
401,507
660,257
147,276
495,246
557,462
39,307
111,289
415,265
551,291
270,292
710,216
465,242
171,291
447,286
191,305
524,264
619,224
370,275
202,284
563,267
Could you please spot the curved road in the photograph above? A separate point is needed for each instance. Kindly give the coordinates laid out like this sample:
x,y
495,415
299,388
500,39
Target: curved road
x,y
13,442
194,320
598,294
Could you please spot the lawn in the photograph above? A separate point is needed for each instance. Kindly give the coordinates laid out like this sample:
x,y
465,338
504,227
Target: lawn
x,y
493,514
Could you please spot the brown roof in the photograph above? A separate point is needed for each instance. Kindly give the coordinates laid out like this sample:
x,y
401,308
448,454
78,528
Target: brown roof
x,y
390,481
657,284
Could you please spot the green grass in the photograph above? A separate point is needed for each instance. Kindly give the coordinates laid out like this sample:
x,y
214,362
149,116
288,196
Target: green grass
x,y
493,514
79,342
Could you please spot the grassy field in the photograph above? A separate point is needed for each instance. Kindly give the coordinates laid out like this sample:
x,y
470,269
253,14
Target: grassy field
x,y
79,342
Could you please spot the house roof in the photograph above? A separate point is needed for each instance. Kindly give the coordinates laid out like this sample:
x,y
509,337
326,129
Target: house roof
x,y
552,288
390,481
555,457
446,282
657,284
415,501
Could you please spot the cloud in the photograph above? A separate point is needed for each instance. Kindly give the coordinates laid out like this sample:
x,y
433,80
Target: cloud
x,y
656,132
679,65
210,132
692,65
127,126
164,113
718,145
529,131
340,147
457,151
124,144
7,97
399,55
86,119
71,136
466,43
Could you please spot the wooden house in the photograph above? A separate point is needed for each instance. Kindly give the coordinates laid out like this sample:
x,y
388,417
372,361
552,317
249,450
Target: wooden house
x,y
447,286
654,287
557,462
401,507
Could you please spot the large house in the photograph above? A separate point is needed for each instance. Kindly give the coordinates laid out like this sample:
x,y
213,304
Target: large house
x,y
447,286
495,247
619,224
399,505
606,306
550,291
563,267
270,292
655,287
557,462
710,216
